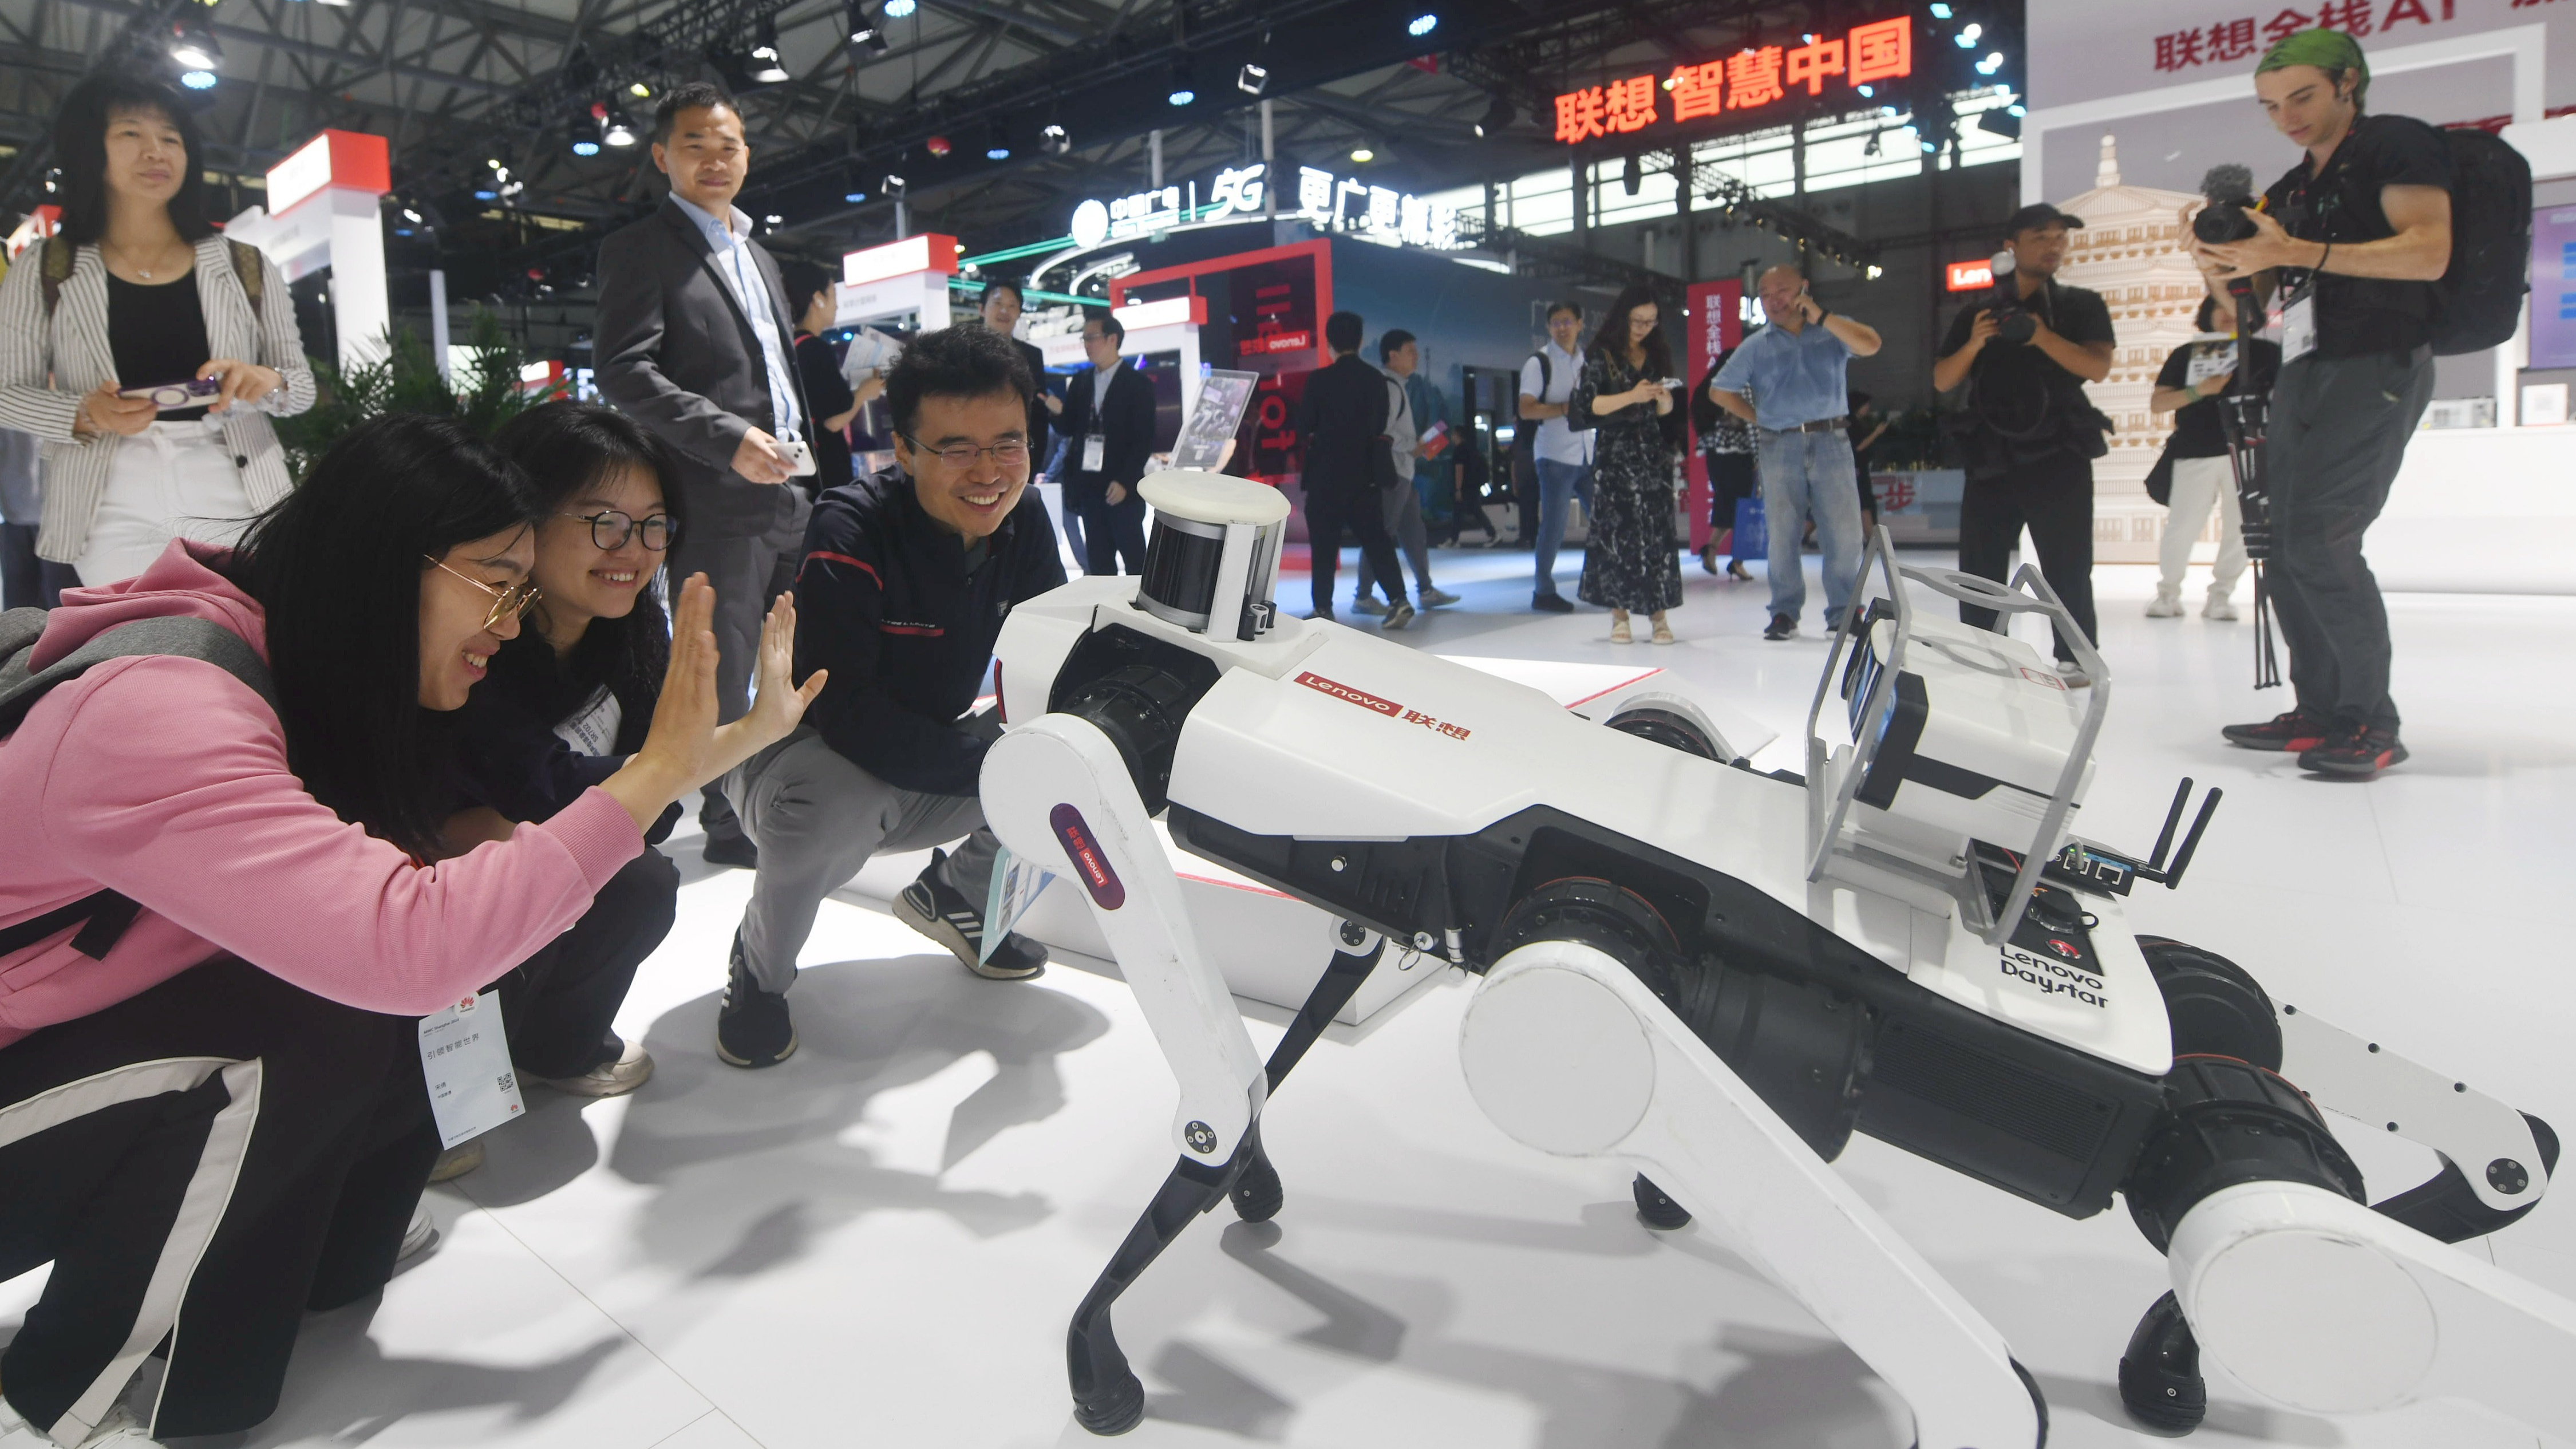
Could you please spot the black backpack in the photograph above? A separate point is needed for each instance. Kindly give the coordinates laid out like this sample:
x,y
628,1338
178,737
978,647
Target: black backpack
x,y
105,912
2478,302
1524,454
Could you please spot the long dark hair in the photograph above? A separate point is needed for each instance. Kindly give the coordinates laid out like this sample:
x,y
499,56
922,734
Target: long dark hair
x,y
80,148
566,448
337,567
1610,339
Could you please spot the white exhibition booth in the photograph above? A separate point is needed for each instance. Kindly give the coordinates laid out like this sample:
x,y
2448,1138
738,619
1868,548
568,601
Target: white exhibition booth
x,y
2475,509
324,210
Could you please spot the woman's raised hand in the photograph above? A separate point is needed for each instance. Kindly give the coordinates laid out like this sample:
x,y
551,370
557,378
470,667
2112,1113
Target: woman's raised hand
x,y
780,703
680,745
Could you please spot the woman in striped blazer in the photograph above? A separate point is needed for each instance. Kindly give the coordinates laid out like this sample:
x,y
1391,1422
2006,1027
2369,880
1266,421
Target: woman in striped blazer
x,y
152,294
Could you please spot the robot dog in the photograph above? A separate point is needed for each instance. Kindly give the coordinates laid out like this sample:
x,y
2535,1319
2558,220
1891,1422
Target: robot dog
x,y
1718,975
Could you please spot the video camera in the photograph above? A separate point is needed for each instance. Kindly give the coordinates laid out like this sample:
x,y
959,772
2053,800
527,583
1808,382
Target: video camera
x,y
2227,217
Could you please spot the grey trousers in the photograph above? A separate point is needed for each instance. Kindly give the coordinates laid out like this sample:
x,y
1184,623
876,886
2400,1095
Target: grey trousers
x,y
1404,525
2339,429
817,819
748,574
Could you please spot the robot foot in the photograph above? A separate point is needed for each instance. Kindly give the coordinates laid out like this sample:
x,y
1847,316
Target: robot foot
x,y
1107,1396
1256,1193
1656,1210
2160,1374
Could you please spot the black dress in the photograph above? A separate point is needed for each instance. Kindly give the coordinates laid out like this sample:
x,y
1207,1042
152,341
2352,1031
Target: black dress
x,y
1632,560
828,393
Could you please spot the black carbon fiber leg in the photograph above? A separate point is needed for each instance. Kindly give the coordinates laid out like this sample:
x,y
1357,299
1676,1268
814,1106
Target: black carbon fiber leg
x,y
1107,1396
1257,1193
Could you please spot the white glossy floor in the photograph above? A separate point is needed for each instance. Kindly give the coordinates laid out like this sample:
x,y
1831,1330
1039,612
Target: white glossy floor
x,y
879,1242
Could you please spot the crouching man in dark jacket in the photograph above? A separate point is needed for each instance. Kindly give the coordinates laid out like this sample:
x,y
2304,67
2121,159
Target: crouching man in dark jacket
x,y
900,593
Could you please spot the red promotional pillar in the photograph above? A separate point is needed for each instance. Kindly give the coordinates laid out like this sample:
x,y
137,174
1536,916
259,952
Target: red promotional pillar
x,y
1716,324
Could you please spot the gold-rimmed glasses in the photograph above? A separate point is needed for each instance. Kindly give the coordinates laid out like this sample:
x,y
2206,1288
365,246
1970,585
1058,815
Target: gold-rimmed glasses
x,y
507,603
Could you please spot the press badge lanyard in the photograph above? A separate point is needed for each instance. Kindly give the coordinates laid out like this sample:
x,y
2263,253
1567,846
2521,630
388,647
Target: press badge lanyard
x,y
1095,447
2299,309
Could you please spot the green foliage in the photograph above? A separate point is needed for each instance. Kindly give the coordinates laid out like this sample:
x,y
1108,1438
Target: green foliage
x,y
486,393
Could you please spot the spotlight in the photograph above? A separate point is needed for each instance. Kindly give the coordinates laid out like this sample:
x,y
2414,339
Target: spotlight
x,y
854,197
1053,141
774,219
1993,62
894,187
1182,91
411,216
2017,110
584,146
192,43
997,152
1868,91
1967,39
1939,11
865,34
1876,271
767,68
616,127
898,9
1498,114
1252,80
938,146
197,80
1632,175
640,91
487,196
1422,25
1363,155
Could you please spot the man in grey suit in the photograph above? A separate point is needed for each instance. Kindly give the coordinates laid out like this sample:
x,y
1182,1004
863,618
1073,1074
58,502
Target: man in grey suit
x,y
695,341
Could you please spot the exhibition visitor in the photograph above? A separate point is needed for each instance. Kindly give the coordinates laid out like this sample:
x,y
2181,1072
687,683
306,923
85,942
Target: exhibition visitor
x,y
208,1003
137,291
2356,237
835,402
694,341
1435,449
1000,310
1107,419
565,704
1348,466
1726,447
1630,563
2196,469
2031,434
1788,380
1399,356
900,593
1561,454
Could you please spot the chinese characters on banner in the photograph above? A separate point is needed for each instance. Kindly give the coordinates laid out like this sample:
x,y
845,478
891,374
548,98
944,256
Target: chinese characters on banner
x,y
2232,41
1879,51
1375,213
1716,324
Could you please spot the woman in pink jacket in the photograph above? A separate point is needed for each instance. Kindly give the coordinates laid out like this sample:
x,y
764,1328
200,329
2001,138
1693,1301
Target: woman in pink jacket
x,y
214,1117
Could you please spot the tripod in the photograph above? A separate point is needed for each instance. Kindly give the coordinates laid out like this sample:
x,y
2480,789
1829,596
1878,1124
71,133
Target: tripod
x,y
2244,412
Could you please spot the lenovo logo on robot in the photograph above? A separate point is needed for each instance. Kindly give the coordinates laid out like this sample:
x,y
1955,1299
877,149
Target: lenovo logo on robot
x,y
1088,862
2053,978
1348,695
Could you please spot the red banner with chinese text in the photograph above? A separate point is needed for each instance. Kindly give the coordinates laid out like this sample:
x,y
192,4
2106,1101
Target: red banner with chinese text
x,y
1716,323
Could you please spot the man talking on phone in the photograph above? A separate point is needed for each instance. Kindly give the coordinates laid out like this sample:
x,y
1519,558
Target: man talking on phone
x,y
1794,369
694,342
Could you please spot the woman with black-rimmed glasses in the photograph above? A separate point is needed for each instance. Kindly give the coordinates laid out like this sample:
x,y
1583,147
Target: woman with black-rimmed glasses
x,y
566,702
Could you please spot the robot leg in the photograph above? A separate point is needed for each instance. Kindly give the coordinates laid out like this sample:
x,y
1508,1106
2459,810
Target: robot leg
x,y
1568,1051
1056,790
1257,1193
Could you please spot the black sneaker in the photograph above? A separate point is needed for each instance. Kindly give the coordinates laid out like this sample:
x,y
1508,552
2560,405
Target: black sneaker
x,y
752,1028
2295,731
732,849
2354,752
1552,603
1783,626
938,910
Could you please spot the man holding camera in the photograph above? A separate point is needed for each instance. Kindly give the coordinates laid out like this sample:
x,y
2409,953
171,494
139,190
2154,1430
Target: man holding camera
x,y
2358,231
2031,434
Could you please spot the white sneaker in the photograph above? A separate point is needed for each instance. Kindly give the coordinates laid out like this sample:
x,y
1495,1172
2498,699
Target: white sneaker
x,y
119,1430
2219,607
2167,604
2074,675
1367,604
632,1069
420,1236
1434,598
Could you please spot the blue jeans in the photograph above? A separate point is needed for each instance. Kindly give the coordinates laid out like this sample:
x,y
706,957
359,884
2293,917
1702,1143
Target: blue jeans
x,y
1809,476
1558,483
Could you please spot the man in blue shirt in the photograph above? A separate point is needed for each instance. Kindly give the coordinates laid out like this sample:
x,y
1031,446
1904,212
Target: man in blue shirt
x,y
1794,370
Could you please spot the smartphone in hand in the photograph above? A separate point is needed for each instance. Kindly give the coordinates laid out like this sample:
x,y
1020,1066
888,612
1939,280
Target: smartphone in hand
x,y
186,393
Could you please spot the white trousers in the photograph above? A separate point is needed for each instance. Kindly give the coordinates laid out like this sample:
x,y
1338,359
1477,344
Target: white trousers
x,y
2196,481
172,480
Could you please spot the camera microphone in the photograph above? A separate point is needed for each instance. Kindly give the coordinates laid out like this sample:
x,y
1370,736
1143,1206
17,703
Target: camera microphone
x,y
2229,189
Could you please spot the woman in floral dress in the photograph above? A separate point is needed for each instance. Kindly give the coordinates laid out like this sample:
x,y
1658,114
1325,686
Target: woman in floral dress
x,y
1632,562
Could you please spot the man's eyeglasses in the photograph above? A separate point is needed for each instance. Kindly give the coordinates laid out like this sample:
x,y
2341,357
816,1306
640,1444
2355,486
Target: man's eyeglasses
x,y
1010,453
507,603
609,529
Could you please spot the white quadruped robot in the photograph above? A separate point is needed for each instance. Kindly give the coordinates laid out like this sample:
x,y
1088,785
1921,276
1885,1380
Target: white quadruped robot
x,y
1718,975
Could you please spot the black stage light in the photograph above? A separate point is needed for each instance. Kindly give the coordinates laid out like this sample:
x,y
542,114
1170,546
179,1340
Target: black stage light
x,y
1498,114
767,66
1252,80
1054,141
192,42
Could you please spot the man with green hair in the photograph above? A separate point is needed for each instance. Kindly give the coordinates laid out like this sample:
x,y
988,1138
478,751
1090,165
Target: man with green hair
x,y
2356,234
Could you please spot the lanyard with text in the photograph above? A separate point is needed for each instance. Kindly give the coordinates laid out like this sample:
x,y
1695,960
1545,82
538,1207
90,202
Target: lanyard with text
x,y
465,1056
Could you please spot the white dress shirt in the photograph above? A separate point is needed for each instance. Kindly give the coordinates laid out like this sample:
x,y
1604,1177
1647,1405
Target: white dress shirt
x,y
750,292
